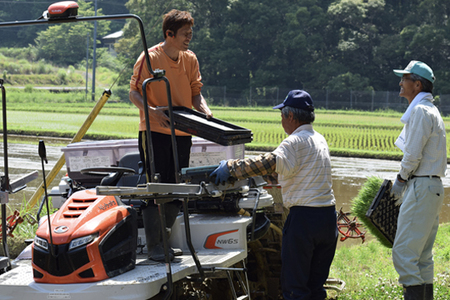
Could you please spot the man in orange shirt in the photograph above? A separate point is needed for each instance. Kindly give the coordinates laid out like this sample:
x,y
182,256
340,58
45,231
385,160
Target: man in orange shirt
x,y
182,71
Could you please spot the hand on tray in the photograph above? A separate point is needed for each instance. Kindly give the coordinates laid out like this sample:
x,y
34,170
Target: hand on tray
x,y
157,114
397,190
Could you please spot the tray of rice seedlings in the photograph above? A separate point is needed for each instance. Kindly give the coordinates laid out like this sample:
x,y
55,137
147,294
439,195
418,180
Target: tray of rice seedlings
x,y
377,210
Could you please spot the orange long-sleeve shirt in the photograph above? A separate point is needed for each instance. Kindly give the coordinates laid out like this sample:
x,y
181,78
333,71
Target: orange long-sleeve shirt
x,y
184,78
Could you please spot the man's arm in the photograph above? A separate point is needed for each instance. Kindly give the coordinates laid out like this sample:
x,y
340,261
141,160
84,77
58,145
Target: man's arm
x,y
200,105
154,113
244,168
248,167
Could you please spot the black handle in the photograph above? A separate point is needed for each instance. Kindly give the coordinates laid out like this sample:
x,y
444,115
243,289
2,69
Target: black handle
x,y
42,151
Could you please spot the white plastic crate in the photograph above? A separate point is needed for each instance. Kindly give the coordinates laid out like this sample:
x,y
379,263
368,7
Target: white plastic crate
x,y
97,154
108,153
205,153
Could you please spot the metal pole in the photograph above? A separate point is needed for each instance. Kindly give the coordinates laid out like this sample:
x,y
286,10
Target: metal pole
x,y
5,184
94,62
87,64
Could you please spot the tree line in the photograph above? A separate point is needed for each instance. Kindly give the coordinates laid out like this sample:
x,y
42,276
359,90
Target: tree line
x,y
311,44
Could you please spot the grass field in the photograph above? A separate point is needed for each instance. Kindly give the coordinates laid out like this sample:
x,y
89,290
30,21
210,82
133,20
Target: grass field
x,y
369,273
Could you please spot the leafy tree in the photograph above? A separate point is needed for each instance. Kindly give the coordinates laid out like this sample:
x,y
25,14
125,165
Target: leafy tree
x,y
242,44
114,7
65,44
352,44
359,35
302,44
349,81
19,10
425,36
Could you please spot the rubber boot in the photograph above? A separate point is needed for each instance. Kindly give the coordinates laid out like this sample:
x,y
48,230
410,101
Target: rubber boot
x,y
172,209
414,292
152,228
429,291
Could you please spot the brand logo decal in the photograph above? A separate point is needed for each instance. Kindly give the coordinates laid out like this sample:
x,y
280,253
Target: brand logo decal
x,y
222,240
61,229
107,205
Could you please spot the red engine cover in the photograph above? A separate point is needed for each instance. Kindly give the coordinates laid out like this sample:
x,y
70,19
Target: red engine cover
x,y
85,214
64,9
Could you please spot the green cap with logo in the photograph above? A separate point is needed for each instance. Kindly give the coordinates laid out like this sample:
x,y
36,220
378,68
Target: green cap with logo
x,y
418,68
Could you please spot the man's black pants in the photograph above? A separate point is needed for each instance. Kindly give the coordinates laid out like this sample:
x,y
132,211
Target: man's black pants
x,y
309,243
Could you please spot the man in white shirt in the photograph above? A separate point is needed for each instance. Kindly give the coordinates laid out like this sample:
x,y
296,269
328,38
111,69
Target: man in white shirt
x,y
302,162
418,186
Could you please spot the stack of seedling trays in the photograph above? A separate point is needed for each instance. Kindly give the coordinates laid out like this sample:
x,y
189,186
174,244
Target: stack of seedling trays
x,y
383,213
214,130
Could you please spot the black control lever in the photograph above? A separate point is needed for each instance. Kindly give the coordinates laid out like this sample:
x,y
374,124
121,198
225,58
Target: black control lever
x,y
43,155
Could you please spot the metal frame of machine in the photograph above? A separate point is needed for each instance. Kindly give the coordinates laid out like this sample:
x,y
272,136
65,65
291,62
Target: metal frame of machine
x,y
146,279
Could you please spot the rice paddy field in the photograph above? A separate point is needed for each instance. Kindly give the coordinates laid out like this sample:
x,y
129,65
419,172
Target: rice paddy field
x,y
348,133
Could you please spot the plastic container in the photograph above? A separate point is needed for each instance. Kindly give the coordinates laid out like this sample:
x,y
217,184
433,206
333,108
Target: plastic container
x,y
95,154
204,152
108,153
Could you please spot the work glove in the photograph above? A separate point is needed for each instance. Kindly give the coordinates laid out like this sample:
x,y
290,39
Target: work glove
x,y
221,172
397,191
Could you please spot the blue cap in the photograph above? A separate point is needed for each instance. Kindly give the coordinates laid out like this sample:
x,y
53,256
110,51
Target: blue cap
x,y
418,68
298,99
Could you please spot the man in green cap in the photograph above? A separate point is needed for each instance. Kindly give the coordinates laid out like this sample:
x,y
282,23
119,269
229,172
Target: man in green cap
x,y
418,186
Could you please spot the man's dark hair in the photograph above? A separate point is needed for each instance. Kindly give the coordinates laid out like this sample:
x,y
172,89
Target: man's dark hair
x,y
301,115
175,19
427,86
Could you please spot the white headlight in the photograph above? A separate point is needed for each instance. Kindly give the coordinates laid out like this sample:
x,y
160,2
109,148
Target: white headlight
x,y
82,241
41,243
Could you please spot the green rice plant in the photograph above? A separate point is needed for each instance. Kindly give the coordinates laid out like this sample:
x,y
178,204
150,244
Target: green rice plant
x,y
361,203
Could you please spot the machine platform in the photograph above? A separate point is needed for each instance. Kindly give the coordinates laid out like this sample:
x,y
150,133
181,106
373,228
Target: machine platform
x,y
143,282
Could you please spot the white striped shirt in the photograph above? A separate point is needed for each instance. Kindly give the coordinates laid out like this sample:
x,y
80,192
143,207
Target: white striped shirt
x,y
304,169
